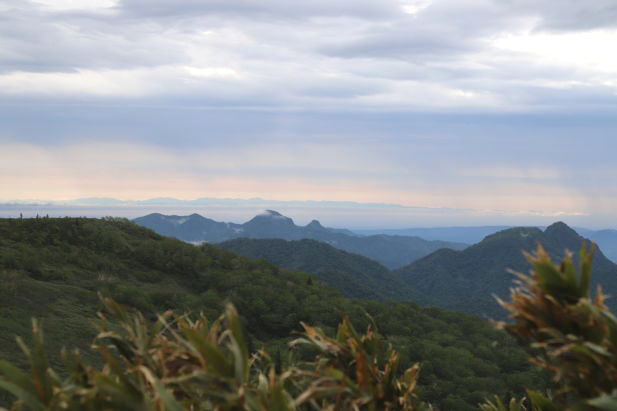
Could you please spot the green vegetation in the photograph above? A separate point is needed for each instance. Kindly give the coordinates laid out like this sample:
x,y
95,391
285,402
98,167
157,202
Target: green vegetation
x,y
352,274
574,336
176,364
467,280
52,269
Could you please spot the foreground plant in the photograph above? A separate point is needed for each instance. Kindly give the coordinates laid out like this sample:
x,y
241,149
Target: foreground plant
x,y
176,363
574,336
354,371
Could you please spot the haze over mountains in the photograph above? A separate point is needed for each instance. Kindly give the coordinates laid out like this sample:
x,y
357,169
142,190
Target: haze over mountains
x,y
390,251
606,240
467,235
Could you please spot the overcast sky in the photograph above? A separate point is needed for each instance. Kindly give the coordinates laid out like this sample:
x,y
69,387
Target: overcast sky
x,y
495,106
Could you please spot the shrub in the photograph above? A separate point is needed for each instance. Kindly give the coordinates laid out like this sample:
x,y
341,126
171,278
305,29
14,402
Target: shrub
x,y
176,363
573,335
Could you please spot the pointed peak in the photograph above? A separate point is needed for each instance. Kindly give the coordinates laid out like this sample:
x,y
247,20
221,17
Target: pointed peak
x,y
560,228
314,224
558,224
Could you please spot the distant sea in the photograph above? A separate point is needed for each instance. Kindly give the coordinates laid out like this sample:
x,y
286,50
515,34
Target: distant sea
x,y
350,215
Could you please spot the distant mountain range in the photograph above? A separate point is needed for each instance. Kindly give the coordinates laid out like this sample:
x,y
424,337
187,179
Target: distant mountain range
x,y
606,239
354,275
391,251
467,235
465,280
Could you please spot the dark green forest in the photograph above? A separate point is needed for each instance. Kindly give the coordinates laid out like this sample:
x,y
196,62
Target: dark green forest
x,y
53,268
354,275
467,280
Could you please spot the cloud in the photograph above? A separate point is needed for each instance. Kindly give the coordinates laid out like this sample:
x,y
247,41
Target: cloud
x,y
258,9
443,103
567,15
430,173
394,55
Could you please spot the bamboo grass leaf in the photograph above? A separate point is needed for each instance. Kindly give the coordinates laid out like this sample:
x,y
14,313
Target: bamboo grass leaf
x,y
24,395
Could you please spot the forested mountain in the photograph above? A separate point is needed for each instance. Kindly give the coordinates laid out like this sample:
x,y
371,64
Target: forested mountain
x,y
354,275
466,280
392,251
53,268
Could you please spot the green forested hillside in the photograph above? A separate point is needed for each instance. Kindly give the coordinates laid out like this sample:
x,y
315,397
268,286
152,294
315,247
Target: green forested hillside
x,y
352,274
52,269
466,280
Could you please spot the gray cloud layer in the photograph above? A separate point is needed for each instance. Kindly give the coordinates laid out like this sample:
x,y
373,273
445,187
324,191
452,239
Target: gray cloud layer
x,y
364,52
412,96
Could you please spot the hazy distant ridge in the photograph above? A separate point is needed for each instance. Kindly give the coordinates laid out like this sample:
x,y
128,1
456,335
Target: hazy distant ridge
x,y
606,239
391,251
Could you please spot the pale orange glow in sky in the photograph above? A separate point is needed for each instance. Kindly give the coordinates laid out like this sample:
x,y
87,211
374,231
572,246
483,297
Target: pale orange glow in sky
x,y
132,172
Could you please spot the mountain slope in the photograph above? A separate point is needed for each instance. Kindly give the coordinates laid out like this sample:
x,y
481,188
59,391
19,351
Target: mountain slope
x,y
392,251
354,275
465,280
607,240
191,228
53,268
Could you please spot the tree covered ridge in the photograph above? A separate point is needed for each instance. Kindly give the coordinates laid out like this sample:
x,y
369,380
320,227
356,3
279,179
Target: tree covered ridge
x,y
56,267
466,280
354,275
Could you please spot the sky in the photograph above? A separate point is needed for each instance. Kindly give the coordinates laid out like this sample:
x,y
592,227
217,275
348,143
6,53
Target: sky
x,y
500,109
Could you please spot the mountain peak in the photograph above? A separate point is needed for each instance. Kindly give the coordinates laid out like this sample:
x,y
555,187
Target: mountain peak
x,y
511,234
270,217
560,229
315,224
271,213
